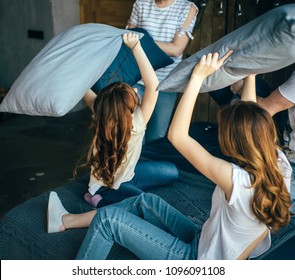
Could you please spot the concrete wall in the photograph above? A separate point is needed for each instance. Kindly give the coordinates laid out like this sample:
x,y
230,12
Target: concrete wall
x,y
65,14
48,17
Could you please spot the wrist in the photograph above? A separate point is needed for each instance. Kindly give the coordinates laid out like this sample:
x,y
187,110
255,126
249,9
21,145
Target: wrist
x,y
136,46
198,77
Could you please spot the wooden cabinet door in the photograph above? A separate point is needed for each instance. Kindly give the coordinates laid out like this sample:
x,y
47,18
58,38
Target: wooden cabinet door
x,y
211,26
110,12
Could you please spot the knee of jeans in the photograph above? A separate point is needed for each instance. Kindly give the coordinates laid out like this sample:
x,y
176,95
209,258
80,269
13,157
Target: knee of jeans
x,y
147,197
173,171
107,212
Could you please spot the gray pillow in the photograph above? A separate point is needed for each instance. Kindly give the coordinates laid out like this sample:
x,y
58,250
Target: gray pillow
x,y
58,77
263,45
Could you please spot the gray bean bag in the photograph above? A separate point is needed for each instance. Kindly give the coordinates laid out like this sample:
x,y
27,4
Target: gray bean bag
x,y
23,229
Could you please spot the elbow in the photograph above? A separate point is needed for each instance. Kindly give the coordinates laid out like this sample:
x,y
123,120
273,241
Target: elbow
x,y
176,52
175,49
173,136
177,137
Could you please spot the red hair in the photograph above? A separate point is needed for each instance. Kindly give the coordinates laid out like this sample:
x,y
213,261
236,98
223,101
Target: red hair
x,y
248,134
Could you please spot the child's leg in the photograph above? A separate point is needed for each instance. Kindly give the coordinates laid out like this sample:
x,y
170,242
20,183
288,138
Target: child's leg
x,y
59,219
146,225
82,220
154,209
93,200
111,196
149,174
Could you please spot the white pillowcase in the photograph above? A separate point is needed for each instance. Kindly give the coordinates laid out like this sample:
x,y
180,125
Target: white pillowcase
x,y
58,77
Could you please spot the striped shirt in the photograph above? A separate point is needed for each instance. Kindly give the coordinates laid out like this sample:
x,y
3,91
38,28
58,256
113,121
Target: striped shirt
x,y
162,24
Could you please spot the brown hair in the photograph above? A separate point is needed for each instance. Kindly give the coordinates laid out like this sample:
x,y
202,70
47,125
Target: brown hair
x,y
248,134
112,126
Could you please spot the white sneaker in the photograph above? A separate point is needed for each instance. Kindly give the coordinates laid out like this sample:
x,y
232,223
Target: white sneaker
x,y
55,211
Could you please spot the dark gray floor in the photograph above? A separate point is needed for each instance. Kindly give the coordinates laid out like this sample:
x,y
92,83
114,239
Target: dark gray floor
x,y
38,153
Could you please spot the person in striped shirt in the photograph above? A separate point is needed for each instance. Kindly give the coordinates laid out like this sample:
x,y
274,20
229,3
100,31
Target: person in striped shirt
x,y
170,23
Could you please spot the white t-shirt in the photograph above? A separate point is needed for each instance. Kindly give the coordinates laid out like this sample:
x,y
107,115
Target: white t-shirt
x,y
162,24
232,226
126,171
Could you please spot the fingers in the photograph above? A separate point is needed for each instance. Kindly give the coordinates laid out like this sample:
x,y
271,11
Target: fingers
x,y
131,37
207,58
213,58
227,55
209,63
131,40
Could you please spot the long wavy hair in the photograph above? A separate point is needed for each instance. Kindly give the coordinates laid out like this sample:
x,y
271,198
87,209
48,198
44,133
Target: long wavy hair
x,y
248,135
112,126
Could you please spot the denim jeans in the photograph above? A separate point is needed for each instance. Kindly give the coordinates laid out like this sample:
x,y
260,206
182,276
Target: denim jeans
x,y
146,225
148,174
157,126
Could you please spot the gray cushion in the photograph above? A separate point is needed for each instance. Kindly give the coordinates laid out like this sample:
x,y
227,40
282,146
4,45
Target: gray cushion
x,y
58,77
263,45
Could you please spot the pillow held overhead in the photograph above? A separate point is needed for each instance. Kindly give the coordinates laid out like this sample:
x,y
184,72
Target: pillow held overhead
x,y
263,45
60,74
124,67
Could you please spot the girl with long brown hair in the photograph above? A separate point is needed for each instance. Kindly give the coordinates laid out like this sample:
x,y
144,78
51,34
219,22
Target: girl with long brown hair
x,y
118,124
252,196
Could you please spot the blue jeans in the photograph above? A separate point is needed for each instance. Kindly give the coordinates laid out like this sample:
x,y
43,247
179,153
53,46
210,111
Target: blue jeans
x,y
148,174
146,225
157,126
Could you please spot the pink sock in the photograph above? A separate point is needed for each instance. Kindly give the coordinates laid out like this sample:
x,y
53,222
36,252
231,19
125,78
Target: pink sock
x,y
93,200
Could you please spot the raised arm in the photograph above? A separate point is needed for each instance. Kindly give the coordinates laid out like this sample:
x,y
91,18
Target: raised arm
x,y
249,88
180,41
217,170
148,75
89,98
281,98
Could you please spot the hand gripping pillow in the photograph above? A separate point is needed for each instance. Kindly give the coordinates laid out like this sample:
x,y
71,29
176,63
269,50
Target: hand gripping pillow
x,y
265,44
58,77
124,68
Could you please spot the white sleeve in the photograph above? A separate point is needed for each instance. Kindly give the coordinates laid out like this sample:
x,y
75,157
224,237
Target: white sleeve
x,y
138,121
240,180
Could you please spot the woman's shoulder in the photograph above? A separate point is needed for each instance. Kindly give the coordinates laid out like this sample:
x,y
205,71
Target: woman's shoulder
x,y
241,184
138,120
241,176
186,4
284,164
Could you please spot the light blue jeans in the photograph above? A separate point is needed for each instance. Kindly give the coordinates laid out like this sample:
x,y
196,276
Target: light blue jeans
x,y
148,174
146,225
157,126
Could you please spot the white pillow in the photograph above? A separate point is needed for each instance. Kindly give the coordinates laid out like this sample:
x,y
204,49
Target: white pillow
x,y
58,77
